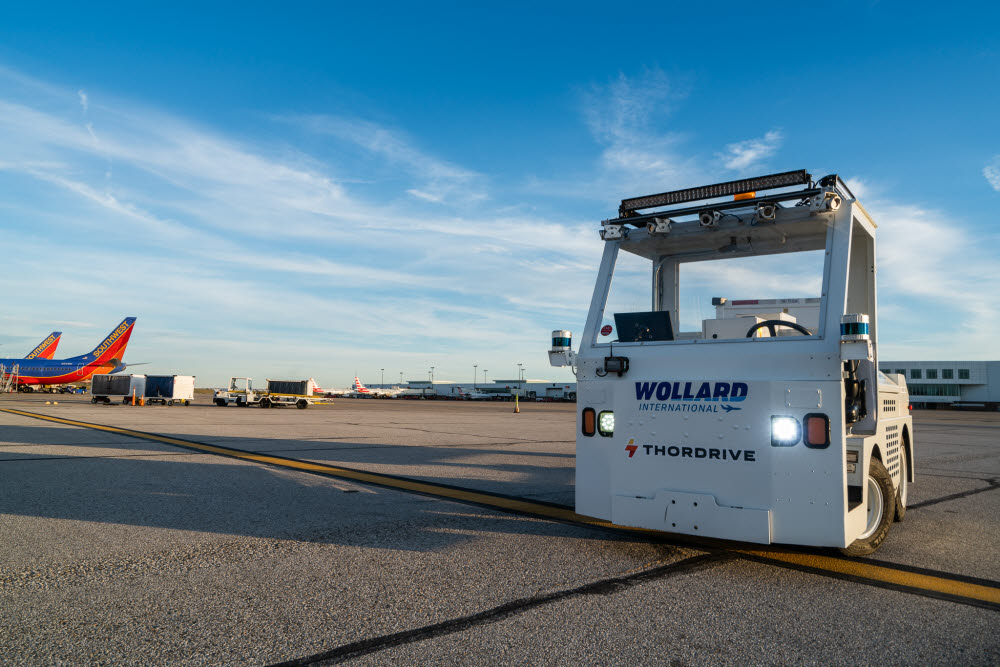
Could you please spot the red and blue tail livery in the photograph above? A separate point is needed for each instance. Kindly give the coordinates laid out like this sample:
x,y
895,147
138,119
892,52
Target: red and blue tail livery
x,y
105,358
47,348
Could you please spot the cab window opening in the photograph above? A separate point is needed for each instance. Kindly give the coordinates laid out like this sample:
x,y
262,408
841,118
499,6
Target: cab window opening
x,y
715,299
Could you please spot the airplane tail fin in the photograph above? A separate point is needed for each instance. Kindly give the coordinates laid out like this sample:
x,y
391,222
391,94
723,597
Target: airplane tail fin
x,y
47,348
112,347
357,384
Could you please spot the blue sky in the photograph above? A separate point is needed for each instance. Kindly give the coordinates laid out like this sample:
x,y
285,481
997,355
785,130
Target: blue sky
x,y
328,190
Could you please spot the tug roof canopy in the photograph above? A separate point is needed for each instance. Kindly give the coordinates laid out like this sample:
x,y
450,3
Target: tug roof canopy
x,y
739,229
794,230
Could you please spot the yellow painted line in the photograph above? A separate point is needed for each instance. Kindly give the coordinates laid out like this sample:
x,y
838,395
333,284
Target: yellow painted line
x,y
865,571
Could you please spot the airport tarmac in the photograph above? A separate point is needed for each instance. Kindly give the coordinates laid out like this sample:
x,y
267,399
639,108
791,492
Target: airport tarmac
x,y
170,537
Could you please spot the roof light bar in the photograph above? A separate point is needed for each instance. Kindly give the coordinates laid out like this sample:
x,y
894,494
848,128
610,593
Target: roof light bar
x,y
782,180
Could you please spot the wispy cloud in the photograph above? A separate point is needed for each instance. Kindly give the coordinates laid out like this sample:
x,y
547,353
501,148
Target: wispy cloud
x,y
935,282
627,117
357,246
642,151
440,181
992,173
267,235
751,152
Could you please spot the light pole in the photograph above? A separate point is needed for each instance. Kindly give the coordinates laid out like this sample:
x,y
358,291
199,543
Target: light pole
x,y
484,376
519,379
432,375
383,379
474,373
400,378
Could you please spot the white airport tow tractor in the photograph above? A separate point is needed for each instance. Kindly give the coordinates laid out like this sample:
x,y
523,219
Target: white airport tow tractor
x,y
279,393
766,420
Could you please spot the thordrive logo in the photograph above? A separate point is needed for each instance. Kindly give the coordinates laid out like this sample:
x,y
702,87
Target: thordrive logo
x,y
631,447
690,396
675,451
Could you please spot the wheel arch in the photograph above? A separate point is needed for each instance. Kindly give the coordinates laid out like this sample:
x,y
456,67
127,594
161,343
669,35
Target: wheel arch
x,y
908,452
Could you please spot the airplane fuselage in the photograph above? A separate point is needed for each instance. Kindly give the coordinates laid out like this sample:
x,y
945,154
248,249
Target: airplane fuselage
x,y
41,371
105,358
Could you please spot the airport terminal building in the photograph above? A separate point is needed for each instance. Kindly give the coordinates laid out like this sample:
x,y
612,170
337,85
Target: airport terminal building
x,y
497,389
971,385
958,384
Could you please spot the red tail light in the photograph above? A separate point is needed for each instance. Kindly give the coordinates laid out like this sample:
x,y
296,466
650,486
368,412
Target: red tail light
x,y
817,430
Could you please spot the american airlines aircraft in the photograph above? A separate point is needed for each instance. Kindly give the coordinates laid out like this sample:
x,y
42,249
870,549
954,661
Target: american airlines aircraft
x,y
473,395
105,358
364,392
329,393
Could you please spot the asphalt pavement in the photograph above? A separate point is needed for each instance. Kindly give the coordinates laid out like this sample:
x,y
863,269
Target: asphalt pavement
x,y
122,550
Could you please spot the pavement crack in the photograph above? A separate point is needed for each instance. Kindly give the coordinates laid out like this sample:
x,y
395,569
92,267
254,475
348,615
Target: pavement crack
x,y
606,586
982,478
994,483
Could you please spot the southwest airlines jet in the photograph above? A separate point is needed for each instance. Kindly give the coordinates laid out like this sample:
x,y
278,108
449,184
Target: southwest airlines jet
x,y
105,358
47,348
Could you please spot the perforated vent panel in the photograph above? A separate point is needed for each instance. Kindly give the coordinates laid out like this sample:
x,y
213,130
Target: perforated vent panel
x,y
888,406
892,449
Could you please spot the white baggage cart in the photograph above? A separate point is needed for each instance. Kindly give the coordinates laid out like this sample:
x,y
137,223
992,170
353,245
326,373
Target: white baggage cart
x,y
169,389
107,387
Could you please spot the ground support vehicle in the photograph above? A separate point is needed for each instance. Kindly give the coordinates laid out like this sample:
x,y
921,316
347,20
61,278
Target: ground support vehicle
x,y
40,388
169,389
771,424
279,393
105,387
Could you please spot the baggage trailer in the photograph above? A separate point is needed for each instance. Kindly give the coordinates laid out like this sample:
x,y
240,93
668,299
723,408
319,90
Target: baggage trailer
x,y
105,387
169,389
279,393
761,422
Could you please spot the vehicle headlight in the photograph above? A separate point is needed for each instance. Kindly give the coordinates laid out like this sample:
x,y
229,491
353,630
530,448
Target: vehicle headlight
x,y
606,423
785,431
